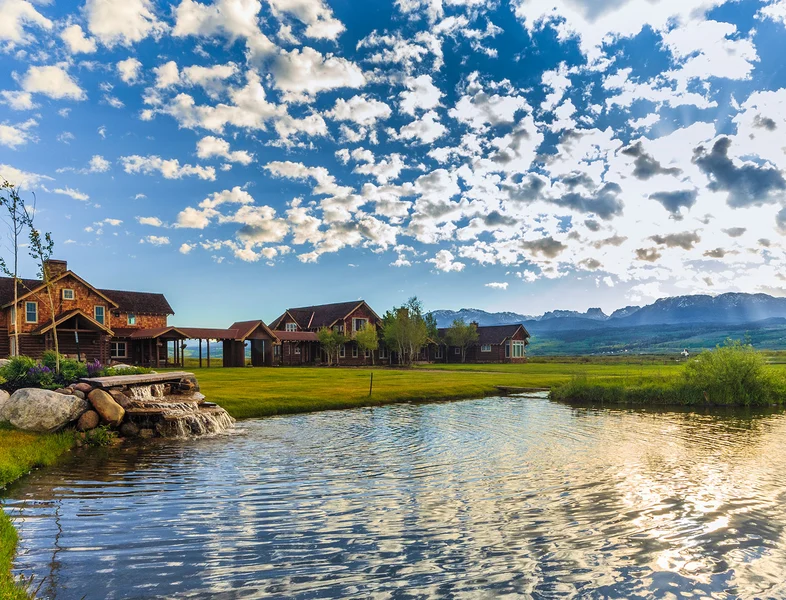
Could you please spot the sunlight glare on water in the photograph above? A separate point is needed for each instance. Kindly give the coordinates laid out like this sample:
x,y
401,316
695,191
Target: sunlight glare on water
x,y
501,496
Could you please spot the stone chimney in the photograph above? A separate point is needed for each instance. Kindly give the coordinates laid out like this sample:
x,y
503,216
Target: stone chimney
x,y
55,268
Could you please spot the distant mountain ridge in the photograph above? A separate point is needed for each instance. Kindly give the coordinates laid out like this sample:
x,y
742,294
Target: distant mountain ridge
x,y
733,308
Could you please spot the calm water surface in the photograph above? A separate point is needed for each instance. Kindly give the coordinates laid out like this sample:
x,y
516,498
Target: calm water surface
x,y
514,497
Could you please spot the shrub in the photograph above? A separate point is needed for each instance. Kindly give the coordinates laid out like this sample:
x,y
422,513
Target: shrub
x,y
98,437
734,373
17,370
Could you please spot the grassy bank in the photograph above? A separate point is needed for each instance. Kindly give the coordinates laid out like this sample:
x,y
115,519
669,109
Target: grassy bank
x,y
20,452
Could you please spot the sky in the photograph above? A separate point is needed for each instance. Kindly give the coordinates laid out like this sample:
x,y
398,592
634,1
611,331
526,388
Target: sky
x,y
245,156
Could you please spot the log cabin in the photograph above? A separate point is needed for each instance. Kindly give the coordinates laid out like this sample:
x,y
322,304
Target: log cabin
x,y
496,344
297,331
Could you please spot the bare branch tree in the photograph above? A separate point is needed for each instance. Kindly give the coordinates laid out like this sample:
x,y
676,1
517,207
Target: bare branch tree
x,y
16,220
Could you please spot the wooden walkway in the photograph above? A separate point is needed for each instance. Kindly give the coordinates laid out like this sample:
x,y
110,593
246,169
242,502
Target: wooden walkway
x,y
142,379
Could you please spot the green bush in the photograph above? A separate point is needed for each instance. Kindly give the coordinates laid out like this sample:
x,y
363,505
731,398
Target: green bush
x,y
71,370
17,370
98,437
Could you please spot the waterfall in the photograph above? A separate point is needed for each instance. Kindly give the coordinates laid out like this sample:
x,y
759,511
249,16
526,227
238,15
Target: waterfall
x,y
144,392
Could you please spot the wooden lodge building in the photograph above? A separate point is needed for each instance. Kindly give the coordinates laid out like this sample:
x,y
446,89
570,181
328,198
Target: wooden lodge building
x,y
132,327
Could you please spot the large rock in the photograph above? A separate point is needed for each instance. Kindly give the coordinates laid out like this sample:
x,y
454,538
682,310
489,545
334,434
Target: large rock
x,y
33,409
88,421
85,388
111,412
4,396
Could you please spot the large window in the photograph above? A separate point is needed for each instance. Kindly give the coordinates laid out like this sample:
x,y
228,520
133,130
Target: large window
x,y
518,349
131,319
485,348
342,351
118,350
438,353
98,312
358,324
354,351
31,312
290,327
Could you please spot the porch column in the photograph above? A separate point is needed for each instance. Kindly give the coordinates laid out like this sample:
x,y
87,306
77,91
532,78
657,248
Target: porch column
x,y
200,353
208,353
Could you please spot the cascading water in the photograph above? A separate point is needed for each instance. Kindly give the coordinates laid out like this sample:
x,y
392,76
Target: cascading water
x,y
181,415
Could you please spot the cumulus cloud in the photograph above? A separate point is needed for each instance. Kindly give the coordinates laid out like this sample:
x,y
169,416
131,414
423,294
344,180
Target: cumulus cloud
x,y
314,14
76,40
168,168
211,146
445,261
497,285
123,22
304,72
155,240
18,16
129,69
75,194
52,81
15,135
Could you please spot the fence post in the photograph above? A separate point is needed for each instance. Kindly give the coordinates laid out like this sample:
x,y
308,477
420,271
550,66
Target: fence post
x,y
371,384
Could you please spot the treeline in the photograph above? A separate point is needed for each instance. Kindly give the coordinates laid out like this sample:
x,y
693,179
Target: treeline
x,y
404,330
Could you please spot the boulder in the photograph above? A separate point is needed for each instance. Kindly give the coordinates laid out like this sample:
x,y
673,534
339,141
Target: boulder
x,y
189,383
34,409
121,367
85,388
78,394
129,430
123,400
88,421
4,362
65,391
111,412
4,396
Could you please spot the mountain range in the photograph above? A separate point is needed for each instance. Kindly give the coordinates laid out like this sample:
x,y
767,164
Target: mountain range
x,y
694,321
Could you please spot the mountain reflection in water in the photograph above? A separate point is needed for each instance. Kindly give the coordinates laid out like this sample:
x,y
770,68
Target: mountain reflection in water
x,y
516,496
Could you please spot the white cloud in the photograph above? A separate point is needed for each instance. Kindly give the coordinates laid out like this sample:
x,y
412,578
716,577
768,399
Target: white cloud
x,y
124,22
425,129
17,14
360,109
151,221
155,240
167,75
185,248
75,194
304,72
22,179
18,100
421,94
169,168
17,135
497,285
210,146
52,81
444,261
318,18
77,41
775,10
129,69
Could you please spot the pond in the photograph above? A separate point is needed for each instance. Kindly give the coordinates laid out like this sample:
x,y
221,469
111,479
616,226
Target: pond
x,y
512,496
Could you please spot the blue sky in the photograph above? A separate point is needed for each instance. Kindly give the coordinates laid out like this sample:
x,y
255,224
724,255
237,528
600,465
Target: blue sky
x,y
243,156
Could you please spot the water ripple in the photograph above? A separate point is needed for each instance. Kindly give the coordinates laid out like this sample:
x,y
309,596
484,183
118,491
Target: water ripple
x,y
502,497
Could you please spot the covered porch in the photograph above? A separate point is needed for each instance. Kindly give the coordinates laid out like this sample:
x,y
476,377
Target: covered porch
x,y
151,347
78,336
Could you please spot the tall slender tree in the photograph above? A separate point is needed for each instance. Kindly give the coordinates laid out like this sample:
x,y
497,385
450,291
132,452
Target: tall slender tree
x,y
41,248
15,216
462,335
404,328
367,339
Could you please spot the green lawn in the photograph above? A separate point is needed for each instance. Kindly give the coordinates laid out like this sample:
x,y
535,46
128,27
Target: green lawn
x,y
259,392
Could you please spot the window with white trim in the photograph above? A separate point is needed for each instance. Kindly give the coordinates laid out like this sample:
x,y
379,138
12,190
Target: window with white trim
x,y
358,324
518,349
290,327
383,352
507,350
131,319
342,351
118,350
354,351
99,314
367,354
297,349
438,353
31,312
485,348
457,350
68,294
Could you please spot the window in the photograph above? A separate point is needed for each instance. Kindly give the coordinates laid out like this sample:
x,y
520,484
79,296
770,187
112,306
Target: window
x,y
13,346
339,328
290,327
438,353
518,349
485,348
277,350
507,350
354,351
343,351
118,350
31,312
383,352
297,349
367,354
131,319
358,324
68,294
456,350
98,312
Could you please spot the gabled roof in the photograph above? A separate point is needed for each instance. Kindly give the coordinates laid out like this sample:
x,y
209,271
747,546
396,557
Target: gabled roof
x,y
321,315
62,317
493,334
140,303
296,336
246,328
156,332
28,287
